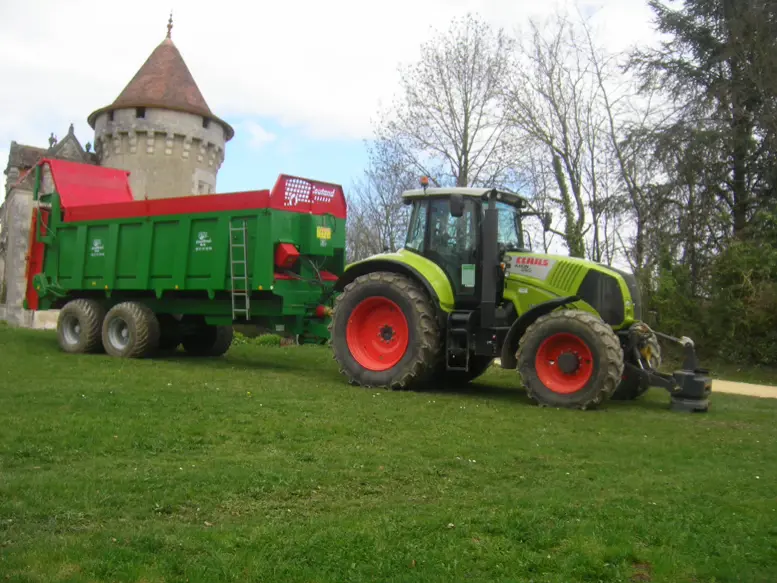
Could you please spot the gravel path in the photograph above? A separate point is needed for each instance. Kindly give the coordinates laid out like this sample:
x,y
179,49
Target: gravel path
x,y
766,391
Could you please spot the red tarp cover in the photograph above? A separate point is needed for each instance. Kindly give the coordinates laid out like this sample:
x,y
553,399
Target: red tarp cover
x,y
95,193
86,184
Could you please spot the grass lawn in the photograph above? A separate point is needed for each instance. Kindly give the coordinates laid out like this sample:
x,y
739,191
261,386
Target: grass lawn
x,y
266,466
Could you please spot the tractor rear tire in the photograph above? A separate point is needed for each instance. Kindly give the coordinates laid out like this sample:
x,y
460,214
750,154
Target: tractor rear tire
x,y
570,359
209,341
629,387
79,327
384,332
130,330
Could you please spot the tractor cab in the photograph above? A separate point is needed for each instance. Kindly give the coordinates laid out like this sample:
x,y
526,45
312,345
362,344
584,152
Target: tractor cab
x,y
448,227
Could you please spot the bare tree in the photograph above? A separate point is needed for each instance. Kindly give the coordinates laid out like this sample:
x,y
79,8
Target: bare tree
x,y
571,103
377,217
449,123
550,102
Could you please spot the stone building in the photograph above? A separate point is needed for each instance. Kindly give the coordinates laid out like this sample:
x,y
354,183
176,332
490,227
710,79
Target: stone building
x,y
15,217
159,128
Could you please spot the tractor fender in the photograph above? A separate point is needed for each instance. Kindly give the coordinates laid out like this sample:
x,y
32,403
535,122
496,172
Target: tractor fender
x,y
372,265
510,344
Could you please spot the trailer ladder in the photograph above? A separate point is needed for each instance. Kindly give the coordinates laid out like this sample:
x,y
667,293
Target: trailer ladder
x,y
238,264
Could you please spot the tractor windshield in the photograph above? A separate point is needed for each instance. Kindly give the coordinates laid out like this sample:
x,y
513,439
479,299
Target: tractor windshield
x,y
510,235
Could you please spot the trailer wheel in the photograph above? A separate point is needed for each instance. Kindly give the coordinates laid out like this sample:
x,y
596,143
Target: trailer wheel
x,y
384,333
79,326
570,359
130,330
629,387
170,335
209,341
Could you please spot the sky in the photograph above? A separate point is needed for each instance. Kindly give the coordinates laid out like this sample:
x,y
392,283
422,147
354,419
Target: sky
x,y
300,81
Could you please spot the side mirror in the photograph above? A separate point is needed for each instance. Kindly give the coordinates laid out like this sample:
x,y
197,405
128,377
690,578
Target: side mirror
x,y
457,205
547,219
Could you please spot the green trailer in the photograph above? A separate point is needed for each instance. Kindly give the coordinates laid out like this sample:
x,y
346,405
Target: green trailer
x,y
134,276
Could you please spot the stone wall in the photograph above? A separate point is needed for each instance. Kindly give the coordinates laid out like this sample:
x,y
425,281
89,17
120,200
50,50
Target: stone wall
x,y
17,214
16,228
3,247
168,153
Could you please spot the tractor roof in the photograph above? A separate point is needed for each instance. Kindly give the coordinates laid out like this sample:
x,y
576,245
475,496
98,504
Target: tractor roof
x,y
505,195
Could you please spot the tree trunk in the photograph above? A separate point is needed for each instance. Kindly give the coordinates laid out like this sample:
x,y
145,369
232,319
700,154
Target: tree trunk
x,y
571,228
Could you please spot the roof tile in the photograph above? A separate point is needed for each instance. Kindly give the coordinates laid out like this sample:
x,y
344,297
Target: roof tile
x,y
164,81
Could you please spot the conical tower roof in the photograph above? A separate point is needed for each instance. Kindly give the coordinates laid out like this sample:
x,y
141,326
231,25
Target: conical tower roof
x,y
165,82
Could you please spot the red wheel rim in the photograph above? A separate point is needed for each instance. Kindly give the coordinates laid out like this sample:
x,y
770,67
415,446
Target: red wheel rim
x,y
377,333
569,374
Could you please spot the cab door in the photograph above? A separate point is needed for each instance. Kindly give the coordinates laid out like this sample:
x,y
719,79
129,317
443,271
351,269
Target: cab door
x,y
452,243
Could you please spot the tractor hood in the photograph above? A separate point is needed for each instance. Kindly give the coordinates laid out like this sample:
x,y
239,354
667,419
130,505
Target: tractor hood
x,y
612,292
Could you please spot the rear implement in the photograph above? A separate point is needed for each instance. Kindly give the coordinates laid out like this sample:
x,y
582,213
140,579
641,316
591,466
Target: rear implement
x,y
134,276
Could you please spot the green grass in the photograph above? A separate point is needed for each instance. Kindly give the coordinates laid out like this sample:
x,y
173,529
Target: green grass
x,y
267,466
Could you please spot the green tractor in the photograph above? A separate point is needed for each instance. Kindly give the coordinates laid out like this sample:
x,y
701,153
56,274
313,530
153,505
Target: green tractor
x,y
465,290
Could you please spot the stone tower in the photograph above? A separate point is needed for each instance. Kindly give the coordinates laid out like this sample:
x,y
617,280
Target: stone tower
x,y
161,130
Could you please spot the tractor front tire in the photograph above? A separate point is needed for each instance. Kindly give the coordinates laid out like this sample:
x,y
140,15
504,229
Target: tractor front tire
x,y
570,359
209,341
79,327
130,330
384,332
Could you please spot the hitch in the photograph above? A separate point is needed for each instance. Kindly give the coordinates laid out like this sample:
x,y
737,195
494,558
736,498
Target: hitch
x,y
689,387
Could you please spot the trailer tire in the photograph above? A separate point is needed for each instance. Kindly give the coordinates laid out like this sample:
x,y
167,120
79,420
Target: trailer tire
x,y
130,330
79,326
396,309
170,335
592,362
209,341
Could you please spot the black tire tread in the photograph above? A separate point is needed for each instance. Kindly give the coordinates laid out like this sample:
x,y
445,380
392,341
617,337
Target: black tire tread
x,y
224,336
217,346
90,314
612,349
420,368
170,336
147,329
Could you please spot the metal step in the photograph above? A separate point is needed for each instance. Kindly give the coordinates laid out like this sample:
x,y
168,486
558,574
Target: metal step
x,y
459,328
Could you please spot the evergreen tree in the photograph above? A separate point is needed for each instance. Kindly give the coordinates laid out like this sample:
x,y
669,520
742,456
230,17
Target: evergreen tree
x,y
718,66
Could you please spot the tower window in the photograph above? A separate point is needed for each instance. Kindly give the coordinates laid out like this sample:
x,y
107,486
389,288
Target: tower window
x,y
205,122
110,116
140,112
